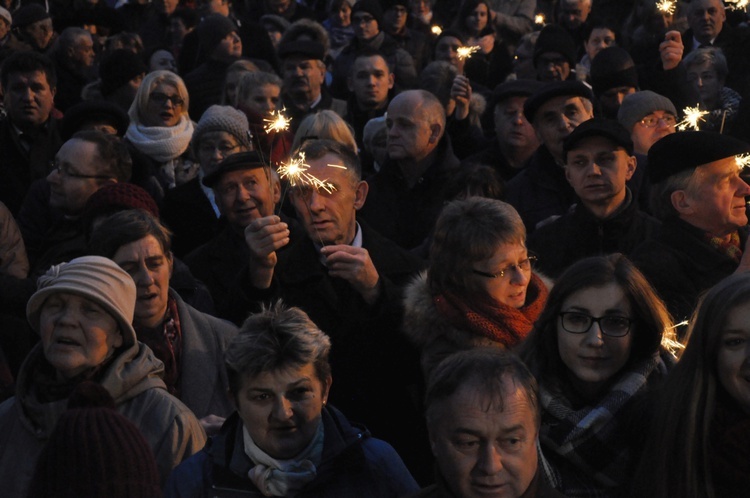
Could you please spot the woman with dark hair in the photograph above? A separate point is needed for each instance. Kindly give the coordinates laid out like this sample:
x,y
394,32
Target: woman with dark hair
x,y
479,289
595,350
284,439
190,343
699,443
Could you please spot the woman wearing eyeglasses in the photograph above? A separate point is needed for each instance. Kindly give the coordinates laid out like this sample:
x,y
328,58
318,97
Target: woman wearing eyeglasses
x,y
480,289
595,351
160,132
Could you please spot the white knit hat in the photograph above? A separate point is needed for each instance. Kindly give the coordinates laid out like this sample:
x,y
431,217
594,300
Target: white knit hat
x,y
223,118
95,278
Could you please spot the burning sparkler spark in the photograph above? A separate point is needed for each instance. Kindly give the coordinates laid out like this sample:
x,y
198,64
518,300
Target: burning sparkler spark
x,y
436,30
296,172
693,116
743,161
277,122
539,19
465,52
738,5
666,6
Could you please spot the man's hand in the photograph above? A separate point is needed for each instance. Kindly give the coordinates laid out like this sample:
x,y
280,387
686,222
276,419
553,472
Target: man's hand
x,y
671,50
461,94
264,237
354,265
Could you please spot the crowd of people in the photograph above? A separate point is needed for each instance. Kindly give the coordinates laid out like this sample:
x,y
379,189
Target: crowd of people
x,y
513,232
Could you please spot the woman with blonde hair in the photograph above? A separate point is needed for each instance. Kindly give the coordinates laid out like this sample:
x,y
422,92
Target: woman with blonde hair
x,y
325,124
160,131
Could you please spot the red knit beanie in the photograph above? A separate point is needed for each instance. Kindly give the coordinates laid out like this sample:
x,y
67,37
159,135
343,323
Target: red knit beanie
x,y
95,452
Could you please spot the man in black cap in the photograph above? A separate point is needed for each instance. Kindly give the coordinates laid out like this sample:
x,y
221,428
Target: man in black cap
x,y
33,25
515,140
697,193
554,54
540,190
417,44
367,19
613,77
121,72
606,218
303,72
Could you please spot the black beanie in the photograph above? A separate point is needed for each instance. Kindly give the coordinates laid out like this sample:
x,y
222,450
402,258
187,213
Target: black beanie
x,y
213,29
611,68
372,7
554,38
119,67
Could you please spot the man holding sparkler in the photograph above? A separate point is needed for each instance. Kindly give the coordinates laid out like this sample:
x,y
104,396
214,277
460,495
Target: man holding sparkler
x,y
697,193
348,278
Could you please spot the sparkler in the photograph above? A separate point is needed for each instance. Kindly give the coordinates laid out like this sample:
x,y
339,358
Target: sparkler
x,y
465,52
693,116
738,4
666,6
436,30
277,122
743,161
539,19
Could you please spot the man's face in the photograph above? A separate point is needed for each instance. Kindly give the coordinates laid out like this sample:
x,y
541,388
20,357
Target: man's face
x,y
706,18
246,195
29,99
4,28
556,118
277,6
611,99
411,136
394,19
552,66
573,13
485,450
447,50
78,174
39,34
303,76
329,216
370,81
82,52
229,48
715,199
651,129
597,169
365,26
511,126
599,39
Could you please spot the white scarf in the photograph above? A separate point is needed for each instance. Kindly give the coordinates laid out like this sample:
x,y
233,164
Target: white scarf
x,y
283,477
161,143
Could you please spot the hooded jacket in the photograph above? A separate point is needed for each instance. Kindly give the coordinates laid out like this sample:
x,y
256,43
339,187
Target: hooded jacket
x,y
133,379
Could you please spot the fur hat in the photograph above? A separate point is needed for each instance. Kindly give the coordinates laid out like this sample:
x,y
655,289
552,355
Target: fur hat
x,y
92,277
95,451
223,118
638,105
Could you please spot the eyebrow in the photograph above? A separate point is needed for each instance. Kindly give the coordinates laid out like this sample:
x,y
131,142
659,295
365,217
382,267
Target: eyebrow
x,y
291,385
472,432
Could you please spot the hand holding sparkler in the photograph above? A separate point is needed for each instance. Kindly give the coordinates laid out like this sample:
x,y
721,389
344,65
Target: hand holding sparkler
x,y
671,50
264,237
693,116
461,94
354,265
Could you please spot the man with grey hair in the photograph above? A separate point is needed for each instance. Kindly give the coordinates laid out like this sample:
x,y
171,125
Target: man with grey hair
x,y
408,192
348,278
697,193
74,56
483,418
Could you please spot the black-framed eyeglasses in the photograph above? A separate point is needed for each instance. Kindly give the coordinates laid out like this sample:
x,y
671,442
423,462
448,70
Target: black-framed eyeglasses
x,y
651,121
362,19
522,266
576,322
161,99
64,170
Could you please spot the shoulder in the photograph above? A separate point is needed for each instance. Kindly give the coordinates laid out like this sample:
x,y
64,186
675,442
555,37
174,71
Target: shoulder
x,y
191,478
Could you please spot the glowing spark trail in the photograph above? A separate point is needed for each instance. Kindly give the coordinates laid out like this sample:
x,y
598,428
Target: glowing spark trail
x,y
465,52
539,19
436,30
743,161
295,171
738,4
666,6
693,115
277,123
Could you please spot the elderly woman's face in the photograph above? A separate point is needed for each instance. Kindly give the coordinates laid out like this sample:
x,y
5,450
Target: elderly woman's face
x,y
733,360
706,81
145,261
281,409
77,334
593,357
164,106
512,260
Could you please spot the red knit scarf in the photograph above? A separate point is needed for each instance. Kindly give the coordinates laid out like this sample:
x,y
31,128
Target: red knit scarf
x,y
729,247
486,317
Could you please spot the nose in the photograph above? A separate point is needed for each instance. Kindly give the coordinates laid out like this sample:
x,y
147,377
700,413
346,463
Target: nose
x,y
143,277
490,461
242,195
519,277
315,202
54,176
594,169
594,337
282,408
744,189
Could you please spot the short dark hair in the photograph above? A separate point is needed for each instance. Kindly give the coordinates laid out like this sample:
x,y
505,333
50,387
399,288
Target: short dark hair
x,y
28,61
279,336
112,151
315,149
485,369
125,227
371,52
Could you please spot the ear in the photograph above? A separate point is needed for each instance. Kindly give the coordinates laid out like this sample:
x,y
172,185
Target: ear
x,y
276,190
682,202
436,131
326,389
391,80
632,165
360,194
